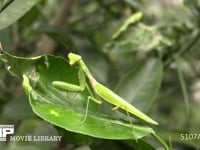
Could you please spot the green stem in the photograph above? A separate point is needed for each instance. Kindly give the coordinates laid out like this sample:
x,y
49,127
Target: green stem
x,y
170,143
162,142
182,82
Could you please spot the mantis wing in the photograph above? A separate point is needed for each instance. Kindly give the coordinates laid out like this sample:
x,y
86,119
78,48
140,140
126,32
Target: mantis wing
x,y
116,100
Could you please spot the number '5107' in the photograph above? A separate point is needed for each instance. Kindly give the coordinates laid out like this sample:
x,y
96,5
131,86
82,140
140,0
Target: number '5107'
x,y
190,136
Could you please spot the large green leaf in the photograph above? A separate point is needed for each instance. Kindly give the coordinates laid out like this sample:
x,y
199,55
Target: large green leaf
x,y
66,109
15,10
119,145
141,84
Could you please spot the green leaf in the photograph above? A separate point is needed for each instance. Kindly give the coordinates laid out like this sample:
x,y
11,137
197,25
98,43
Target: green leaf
x,y
14,11
141,84
75,138
142,145
66,109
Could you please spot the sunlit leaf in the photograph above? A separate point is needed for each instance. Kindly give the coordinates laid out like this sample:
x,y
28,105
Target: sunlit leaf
x,y
66,109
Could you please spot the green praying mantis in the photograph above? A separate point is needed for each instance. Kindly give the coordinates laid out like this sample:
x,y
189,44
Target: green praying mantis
x,y
102,91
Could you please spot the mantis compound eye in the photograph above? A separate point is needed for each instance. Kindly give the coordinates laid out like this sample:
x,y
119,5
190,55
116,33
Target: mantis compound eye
x,y
73,58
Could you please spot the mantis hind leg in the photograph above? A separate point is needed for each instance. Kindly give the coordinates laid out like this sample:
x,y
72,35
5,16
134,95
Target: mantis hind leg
x,y
129,118
131,123
87,106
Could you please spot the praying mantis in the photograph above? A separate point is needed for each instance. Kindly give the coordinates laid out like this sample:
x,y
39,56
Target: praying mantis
x,y
102,91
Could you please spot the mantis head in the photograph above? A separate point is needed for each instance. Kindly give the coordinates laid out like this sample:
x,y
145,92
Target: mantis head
x,y
73,58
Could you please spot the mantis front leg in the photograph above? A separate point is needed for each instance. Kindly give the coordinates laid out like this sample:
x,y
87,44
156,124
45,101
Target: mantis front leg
x,y
87,106
77,88
71,87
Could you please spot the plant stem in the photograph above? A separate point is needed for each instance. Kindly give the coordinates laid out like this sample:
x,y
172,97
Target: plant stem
x,y
162,142
182,82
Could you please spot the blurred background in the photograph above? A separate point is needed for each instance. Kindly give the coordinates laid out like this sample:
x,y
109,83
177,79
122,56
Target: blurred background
x,y
87,27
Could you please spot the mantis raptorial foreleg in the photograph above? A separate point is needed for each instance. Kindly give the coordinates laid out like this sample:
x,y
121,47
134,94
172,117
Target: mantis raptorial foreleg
x,y
71,87
77,88
87,106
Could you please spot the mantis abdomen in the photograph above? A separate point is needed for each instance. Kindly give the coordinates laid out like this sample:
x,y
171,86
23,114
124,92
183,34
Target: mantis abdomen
x,y
117,101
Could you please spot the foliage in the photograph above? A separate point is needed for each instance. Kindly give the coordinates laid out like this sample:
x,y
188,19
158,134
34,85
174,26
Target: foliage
x,y
145,51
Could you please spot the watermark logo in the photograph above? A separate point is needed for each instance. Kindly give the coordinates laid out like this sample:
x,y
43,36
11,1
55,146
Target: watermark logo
x,y
6,130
